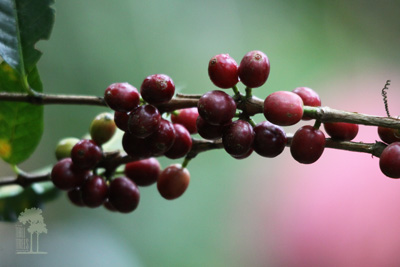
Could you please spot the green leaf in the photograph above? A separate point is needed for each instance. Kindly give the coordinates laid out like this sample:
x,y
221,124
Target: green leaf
x,y
21,124
23,24
14,199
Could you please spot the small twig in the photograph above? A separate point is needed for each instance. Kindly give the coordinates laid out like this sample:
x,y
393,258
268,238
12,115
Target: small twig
x,y
384,95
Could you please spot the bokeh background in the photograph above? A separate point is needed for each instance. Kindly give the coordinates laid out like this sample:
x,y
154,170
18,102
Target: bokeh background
x,y
340,211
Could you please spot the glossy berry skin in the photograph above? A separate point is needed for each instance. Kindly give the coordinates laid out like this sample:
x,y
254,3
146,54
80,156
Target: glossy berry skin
x,y
143,172
342,131
182,143
64,147
309,97
162,140
216,107
157,89
269,139
144,121
121,120
283,108
389,161
102,128
94,191
86,154
66,176
135,147
254,69
173,181
123,195
388,135
187,117
122,97
246,155
75,196
238,138
223,71
109,206
307,145
208,131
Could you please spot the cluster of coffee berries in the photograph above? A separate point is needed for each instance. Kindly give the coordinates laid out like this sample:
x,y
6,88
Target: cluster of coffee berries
x,y
149,133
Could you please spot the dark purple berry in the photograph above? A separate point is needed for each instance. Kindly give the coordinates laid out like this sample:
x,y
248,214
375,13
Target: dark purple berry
x,y
389,161
135,147
173,181
223,71
341,130
157,89
307,145
388,135
122,97
208,131
121,120
238,138
75,196
144,121
254,69
182,143
94,191
66,176
86,154
162,140
123,195
217,107
143,172
269,140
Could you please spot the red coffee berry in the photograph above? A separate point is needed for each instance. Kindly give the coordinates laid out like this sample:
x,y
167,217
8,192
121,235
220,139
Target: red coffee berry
x,y
254,69
157,89
182,143
122,97
388,135
162,140
86,154
269,139
123,195
309,97
186,117
216,107
238,138
173,181
121,120
283,108
341,130
75,196
143,172
389,161
208,131
307,145
223,71
144,121
66,176
94,191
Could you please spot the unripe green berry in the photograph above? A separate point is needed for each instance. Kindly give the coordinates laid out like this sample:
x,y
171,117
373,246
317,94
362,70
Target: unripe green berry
x,y
102,128
64,147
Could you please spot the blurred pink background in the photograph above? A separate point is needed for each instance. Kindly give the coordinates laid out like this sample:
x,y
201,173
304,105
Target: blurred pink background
x,y
340,211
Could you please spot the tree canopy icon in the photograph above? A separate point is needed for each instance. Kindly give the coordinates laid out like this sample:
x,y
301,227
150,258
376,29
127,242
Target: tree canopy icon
x,y
34,218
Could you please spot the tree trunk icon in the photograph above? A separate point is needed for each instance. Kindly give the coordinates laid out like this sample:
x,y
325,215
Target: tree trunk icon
x,y
34,218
